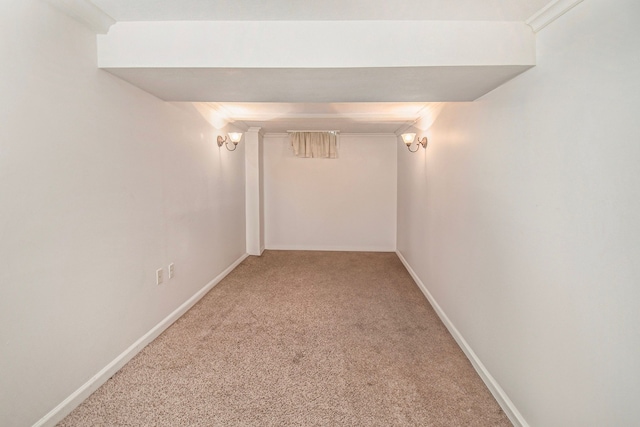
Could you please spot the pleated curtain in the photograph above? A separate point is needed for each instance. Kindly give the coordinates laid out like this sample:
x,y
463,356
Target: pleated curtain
x,y
314,144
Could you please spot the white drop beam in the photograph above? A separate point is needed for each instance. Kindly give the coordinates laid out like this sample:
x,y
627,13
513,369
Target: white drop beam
x,y
315,44
434,60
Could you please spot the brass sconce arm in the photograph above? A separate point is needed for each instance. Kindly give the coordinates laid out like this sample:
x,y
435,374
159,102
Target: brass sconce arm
x,y
233,136
408,139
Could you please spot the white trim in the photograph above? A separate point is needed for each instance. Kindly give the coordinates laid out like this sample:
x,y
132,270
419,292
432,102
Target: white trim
x,y
313,131
78,396
342,134
257,129
550,13
382,135
330,248
498,393
86,13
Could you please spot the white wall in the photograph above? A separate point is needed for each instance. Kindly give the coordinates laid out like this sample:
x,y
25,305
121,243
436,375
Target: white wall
x,y
100,185
522,220
331,204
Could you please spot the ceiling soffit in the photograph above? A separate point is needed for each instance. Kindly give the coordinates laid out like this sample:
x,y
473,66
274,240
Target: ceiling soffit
x,y
357,61
318,61
313,10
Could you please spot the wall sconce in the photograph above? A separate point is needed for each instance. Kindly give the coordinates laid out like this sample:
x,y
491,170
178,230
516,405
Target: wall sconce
x,y
235,137
408,139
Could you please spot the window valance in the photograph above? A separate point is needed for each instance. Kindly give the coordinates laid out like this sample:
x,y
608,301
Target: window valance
x,y
315,144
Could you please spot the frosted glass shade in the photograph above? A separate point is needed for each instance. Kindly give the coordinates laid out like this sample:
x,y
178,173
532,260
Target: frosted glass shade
x,y
235,137
408,138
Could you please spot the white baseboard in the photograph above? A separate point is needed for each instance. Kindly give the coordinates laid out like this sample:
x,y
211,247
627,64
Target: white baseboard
x,y
78,396
498,393
331,248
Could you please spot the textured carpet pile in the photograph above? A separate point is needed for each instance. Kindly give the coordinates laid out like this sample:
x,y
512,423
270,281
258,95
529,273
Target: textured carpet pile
x,y
300,339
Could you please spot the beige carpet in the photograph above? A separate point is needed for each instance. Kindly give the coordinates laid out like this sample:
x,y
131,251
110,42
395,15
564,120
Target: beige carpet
x,y
301,339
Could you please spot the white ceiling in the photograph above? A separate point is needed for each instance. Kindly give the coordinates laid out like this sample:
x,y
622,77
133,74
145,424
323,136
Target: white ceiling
x,y
370,117
334,10
369,110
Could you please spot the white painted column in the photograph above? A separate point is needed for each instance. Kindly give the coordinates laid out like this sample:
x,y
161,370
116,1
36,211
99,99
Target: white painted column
x,y
254,191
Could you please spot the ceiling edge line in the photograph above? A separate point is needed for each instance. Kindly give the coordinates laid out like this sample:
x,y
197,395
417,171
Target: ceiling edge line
x,y
85,12
550,13
285,134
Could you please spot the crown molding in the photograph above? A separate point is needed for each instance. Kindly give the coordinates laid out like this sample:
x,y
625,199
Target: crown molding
x,y
550,13
86,13
257,129
342,134
239,124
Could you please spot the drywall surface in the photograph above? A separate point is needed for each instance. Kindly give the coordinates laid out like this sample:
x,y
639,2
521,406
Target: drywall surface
x,y
100,185
346,203
317,61
315,44
522,221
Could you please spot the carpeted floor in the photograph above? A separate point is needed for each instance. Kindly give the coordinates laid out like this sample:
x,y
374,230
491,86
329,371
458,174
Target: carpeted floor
x,y
301,339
